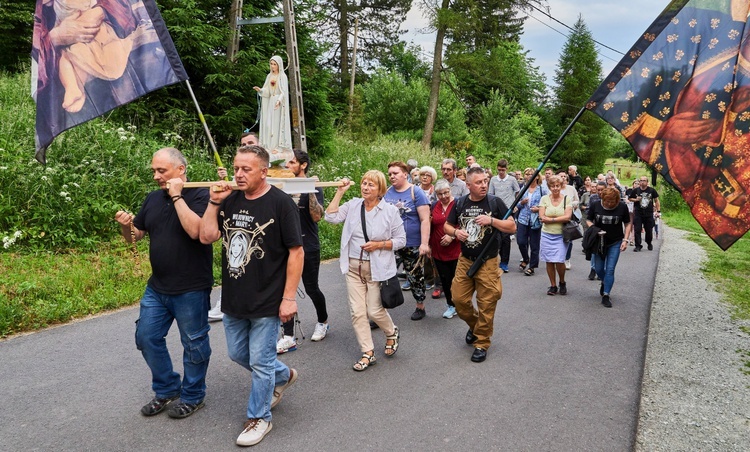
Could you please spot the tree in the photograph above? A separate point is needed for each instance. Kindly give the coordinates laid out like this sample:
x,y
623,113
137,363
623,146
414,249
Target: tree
x,y
16,25
578,74
333,20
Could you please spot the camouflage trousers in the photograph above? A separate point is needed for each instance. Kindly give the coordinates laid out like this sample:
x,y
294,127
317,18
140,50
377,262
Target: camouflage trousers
x,y
408,257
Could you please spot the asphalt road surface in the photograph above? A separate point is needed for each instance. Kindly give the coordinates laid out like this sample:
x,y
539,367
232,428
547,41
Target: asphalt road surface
x,y
563,373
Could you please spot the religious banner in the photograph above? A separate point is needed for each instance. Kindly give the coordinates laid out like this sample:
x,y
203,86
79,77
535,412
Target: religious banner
x,y
681,97
90,56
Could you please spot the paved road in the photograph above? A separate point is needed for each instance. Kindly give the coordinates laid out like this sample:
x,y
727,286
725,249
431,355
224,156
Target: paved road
x,y
563,373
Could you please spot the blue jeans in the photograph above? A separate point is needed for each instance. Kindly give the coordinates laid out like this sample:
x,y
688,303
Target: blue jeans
x,y
158,311
605,267
251,343
528,238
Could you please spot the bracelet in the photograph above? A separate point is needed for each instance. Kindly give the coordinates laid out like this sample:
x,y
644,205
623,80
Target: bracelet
x,y
176,198
212,202
289,299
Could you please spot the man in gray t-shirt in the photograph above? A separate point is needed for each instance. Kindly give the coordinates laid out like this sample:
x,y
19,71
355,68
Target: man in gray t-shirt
x,y
505,187
458,187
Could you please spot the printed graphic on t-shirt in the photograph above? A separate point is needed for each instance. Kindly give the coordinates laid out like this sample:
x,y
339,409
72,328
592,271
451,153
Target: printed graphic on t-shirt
x,y
608,219
403,208
469,224
645,199
244,241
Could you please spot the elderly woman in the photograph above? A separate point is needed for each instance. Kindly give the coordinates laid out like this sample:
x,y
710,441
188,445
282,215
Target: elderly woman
x,y
367,263
555,210
528,226
427,177
612,217
445,248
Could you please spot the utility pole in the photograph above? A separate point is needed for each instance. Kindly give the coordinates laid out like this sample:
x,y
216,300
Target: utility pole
x,y
234,32
354,67
299,140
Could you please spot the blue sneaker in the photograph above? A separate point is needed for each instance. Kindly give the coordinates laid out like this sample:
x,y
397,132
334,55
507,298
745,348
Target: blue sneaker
x,y
504,267
406,285
450,312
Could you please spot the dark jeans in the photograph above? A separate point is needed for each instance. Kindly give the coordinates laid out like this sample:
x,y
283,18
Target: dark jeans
x,y
640,222
446,270
504,247
528,239
310,273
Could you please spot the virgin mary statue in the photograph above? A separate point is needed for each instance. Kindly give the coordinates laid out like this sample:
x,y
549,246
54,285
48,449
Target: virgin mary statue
x,y
275,131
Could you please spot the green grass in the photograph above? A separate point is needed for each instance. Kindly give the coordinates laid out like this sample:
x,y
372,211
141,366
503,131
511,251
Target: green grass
x,y
729,270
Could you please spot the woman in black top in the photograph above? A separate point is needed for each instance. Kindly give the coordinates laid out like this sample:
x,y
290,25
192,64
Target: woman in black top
x,y
612,217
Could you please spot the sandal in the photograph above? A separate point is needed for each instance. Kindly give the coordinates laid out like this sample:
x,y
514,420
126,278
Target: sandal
x,y
529,271
391,349
364,362
157,405
522,267
183,410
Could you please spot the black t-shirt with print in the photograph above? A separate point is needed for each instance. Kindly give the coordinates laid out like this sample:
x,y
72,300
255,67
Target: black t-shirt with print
x,y
646,206
256,237
478,235
610,221
179,264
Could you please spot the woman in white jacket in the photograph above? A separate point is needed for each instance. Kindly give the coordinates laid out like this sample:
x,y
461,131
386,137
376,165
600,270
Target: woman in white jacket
x,y
366,264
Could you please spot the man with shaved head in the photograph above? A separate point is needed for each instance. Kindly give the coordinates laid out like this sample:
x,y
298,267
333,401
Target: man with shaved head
x,y
179,287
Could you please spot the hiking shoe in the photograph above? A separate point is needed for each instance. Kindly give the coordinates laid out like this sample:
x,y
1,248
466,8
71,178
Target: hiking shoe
x,y
637,248
157,405
278,391
286,344
450,312
563,289
567,264
406,285
551,290
184,409
470,338
321,329
215,314
253,432
436,294
504,267
418,314
592,275
606,302
650,247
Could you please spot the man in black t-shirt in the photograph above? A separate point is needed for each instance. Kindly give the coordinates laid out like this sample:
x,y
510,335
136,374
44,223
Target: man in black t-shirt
x,y
472,222
261,267
644,200
310,213
179,287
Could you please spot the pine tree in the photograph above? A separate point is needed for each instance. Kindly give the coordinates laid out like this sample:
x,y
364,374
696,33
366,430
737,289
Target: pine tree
x,y
578,74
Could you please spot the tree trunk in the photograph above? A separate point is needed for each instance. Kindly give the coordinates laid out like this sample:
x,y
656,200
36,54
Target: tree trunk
x,y
437,62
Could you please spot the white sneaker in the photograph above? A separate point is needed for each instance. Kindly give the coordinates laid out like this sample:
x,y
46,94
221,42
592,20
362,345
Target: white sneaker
x,y
286,344
215,314
567,265
278,391
254,432
321,329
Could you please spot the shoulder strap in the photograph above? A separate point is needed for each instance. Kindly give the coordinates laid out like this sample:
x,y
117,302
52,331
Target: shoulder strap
x,y
364,222
412,192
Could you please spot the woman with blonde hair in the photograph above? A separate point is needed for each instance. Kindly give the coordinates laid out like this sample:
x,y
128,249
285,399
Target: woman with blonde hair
x,y
555,210
368,262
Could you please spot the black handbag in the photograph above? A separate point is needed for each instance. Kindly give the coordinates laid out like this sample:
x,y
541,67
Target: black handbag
x,y
572,230
391,295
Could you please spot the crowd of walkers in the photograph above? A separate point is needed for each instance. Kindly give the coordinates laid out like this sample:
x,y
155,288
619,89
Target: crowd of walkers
x,y
451,235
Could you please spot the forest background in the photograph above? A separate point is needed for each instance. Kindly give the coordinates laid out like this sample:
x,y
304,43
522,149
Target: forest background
x,y
480,93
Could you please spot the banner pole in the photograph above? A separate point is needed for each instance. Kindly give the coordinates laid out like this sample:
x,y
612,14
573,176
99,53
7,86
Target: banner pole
x,y
205,126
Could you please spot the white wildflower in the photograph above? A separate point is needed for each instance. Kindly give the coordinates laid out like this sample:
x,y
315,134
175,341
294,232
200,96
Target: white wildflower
x,y
123,137
44,177
63,194
17,234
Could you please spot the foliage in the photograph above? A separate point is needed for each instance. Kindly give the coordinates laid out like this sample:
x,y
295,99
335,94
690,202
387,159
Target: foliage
x,y
16,21
377,29
509,132
579,73
404,60
387,96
